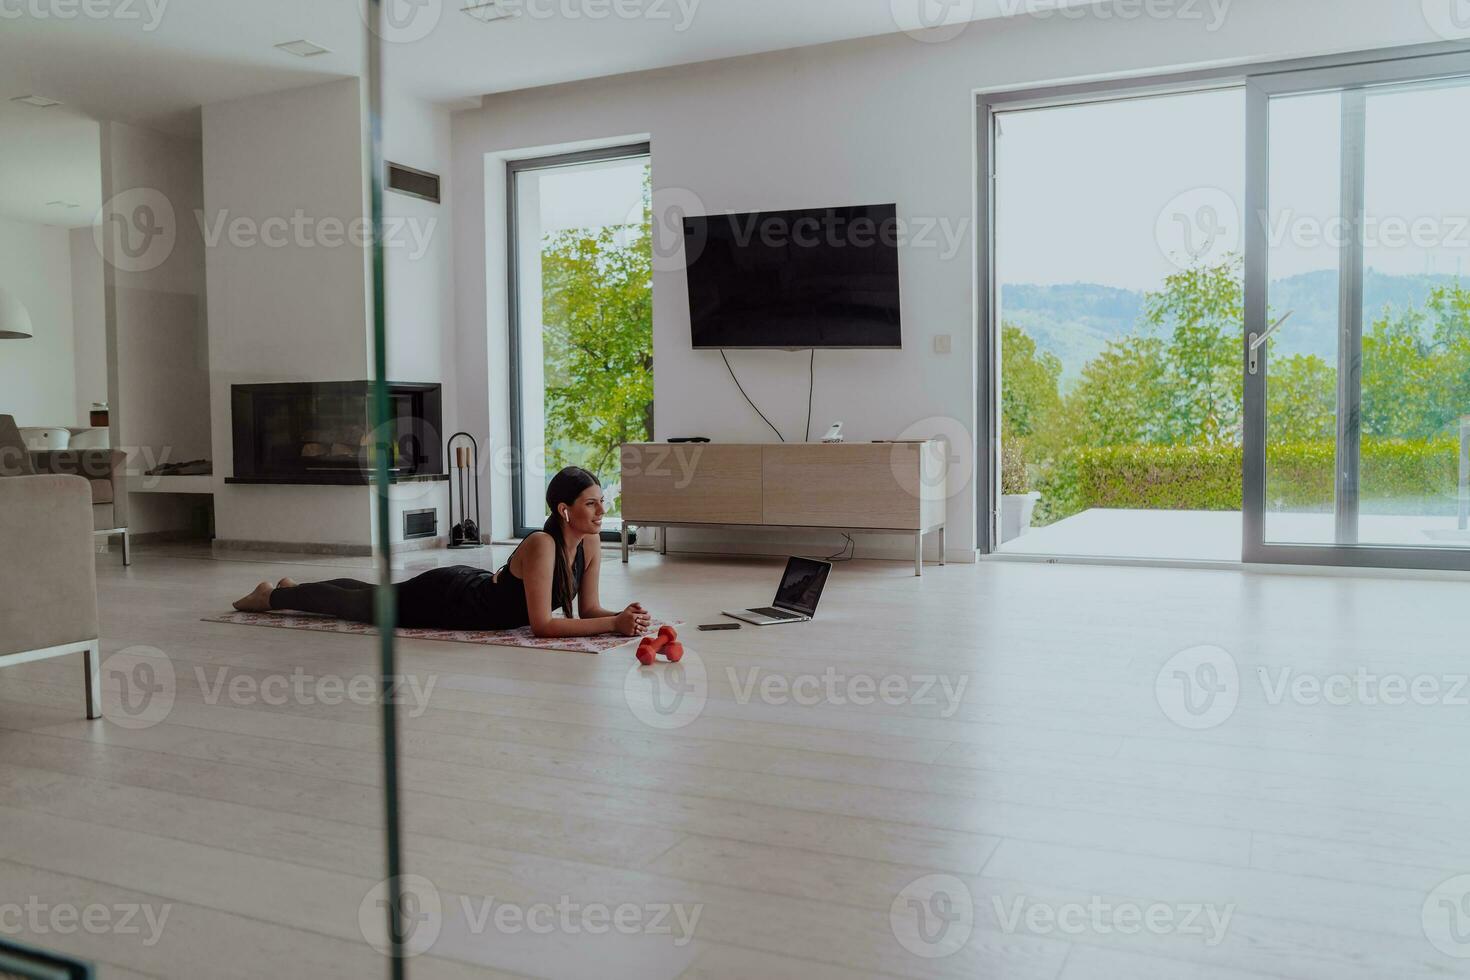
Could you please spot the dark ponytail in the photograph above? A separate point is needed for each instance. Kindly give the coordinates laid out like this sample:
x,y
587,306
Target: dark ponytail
x,y
564,488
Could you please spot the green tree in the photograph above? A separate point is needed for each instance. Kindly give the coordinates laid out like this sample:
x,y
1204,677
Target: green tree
x,y
1449,309
1416,367
1030,385
1200,312
1176,380
1301,399
597,315
1399,383
1120,400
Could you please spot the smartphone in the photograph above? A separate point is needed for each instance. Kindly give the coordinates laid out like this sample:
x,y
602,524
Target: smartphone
x,y
711,627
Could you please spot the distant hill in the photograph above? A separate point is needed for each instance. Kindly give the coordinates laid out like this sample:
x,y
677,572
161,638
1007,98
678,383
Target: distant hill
x,y
1312,296
1075,321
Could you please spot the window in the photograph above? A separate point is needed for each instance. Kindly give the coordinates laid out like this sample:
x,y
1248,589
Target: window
x,y
581,315
1293,389
1119,286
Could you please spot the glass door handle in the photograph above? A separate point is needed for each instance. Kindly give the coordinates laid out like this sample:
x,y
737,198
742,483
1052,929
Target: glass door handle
x,y
1257,340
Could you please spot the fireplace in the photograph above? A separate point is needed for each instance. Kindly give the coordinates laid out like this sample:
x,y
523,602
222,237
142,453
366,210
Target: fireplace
x,y
318,433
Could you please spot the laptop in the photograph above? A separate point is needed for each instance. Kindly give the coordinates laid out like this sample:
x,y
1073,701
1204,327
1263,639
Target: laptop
x,y
796,599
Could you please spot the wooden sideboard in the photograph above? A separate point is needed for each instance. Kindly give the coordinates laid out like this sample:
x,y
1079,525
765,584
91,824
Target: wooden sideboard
x,y
871,487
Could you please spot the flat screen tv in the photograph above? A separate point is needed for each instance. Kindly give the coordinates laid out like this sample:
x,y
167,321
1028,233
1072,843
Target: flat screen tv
x,y
821,277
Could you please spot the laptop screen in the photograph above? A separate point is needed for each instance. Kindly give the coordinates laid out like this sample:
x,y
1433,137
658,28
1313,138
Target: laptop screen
x,y
802,584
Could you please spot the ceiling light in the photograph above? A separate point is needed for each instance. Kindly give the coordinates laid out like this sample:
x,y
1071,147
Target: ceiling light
x,y
302,48
489,10
15,322
39,101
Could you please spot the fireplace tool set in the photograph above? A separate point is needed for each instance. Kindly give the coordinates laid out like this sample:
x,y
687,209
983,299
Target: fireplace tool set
x,y
464,532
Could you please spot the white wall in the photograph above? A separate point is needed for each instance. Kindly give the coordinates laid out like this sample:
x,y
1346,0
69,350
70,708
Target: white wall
x,y
37,379
89,322
159,391
420,281
420,275
160,315
883,119
297,312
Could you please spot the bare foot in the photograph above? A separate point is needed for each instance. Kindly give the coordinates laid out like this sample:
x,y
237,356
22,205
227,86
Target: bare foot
x,y
257,601
286,583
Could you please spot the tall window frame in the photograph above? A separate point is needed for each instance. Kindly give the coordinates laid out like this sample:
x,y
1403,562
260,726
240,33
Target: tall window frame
x,y
514,304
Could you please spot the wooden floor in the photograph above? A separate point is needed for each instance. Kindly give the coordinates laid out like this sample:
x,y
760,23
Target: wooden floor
x,y
1078,825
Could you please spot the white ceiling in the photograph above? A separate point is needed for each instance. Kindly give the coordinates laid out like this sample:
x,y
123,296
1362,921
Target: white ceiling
x,y
153,63
50,155
163,60
564,40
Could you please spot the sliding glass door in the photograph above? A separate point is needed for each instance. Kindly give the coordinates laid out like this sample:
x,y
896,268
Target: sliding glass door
x,y
581,319
1357,357
1118,298
1333,421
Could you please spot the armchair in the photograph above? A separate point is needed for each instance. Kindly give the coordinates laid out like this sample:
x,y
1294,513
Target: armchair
x,y
105,471
48,574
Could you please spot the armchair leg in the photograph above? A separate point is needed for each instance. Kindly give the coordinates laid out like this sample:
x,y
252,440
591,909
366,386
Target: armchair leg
x,y
92,665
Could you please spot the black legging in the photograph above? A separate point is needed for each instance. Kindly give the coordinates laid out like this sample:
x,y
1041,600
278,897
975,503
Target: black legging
x,y
345,598
435,599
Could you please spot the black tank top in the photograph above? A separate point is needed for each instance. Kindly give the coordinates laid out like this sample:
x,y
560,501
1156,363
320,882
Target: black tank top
x,y
502,598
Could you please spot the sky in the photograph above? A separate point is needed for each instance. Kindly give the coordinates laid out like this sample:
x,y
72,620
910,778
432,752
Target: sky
x,y
592,195
1119,193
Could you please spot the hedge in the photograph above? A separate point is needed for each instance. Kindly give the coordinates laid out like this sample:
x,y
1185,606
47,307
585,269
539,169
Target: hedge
x,y
1299,475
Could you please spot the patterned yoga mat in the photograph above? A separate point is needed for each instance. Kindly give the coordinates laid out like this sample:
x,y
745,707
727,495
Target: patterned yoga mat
x,y
522,637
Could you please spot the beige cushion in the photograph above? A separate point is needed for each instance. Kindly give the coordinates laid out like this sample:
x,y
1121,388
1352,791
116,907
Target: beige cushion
x,y
48,572
105,470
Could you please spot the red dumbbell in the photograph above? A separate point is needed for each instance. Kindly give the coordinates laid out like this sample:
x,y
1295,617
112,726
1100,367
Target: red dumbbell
x,y
666,640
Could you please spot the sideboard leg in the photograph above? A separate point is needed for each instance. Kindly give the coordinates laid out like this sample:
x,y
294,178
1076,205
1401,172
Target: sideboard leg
x,y
623,535
941,544
919,553
663,541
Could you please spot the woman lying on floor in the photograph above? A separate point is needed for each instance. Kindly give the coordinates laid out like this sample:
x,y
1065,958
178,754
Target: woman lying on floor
x,y
550,568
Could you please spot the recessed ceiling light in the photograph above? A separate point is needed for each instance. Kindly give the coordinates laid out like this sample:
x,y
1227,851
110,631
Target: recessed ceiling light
x,y
489,10
39,101
302,48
